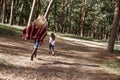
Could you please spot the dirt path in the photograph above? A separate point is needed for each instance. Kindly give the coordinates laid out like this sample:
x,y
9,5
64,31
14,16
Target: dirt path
x,y
72,61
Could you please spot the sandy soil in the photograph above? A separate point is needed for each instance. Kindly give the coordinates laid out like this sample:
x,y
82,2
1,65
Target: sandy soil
x,y
72,61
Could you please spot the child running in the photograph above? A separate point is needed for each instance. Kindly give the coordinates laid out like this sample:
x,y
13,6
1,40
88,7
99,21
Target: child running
x,y
52,43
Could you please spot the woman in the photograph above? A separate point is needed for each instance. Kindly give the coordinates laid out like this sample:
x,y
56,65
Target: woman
x,y
37,32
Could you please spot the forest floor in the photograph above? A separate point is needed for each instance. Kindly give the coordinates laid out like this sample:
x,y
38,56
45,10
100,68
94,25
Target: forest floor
x,y
72,61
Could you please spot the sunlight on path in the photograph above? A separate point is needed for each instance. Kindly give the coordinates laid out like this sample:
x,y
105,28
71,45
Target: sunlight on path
x,y
87,43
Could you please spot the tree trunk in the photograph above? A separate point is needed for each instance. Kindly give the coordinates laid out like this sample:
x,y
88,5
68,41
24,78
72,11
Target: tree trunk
x,y
1,1
12,11
48,9
31,13
114,27
62,20
71,1
4,11
55,12
83,17
20,16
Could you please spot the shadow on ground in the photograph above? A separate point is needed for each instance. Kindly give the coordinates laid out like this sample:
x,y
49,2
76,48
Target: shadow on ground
x,y
49,72
56,69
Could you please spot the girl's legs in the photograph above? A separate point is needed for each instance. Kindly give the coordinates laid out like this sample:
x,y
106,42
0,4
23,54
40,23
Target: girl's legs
x,y
51,48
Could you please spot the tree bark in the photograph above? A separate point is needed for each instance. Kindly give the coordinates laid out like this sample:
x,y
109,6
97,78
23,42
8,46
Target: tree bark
x,y
1,1
62,20
113,35
83,17
31,13
4,11
12,13
48,9
21,10
71,1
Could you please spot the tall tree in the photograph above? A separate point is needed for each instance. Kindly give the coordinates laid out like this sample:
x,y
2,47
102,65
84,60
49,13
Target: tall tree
x,y
83,17
62,19
70,11
113,35
4,11
21,10
1,1
12,12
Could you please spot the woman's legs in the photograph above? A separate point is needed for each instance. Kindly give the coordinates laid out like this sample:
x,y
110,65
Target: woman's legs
x,y
36,44
33,53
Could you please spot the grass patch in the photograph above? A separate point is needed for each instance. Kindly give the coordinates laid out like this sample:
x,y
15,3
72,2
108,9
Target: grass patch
x,y
84,38
4,62
9,31
117,51
73,36
113,64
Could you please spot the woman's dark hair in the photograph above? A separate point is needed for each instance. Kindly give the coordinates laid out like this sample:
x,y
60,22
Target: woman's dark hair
x,y
53,36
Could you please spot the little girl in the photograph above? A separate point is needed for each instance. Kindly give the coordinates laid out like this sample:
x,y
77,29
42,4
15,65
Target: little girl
x,y
52,43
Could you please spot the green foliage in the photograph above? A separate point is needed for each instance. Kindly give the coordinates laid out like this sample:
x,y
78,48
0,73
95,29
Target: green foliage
x,y
65,16
113,64
99,16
